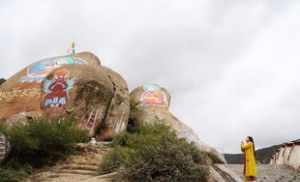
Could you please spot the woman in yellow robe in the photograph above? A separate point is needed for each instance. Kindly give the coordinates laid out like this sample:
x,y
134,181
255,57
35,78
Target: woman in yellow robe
x,y
248,148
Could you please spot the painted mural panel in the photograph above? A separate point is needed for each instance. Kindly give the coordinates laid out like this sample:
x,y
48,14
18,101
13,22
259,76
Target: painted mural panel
x,y
38,71
57,89
153,95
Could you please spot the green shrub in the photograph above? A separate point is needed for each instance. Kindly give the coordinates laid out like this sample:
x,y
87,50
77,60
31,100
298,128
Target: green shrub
x,y
38,143
3,127
12,175
154,153
41,142
118,157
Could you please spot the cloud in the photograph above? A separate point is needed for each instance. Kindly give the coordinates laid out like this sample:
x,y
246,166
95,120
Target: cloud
x,y
231,66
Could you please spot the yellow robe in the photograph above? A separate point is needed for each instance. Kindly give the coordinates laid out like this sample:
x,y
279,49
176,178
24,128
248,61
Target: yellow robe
x,y
250,162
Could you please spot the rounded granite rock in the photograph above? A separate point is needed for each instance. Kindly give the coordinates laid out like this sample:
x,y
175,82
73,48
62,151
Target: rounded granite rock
x,y
150,103
76,85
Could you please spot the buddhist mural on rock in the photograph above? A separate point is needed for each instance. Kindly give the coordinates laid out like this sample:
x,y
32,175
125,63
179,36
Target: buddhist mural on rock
x,y
39,70
153,95
56,89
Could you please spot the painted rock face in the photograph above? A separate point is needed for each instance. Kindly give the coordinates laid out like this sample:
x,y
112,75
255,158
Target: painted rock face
x,y
39,70
56,89
58,86
150,103
150,96
40,85
153,95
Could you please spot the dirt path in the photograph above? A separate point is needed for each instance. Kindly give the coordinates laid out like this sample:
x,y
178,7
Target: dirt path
x,y
268,173
82,167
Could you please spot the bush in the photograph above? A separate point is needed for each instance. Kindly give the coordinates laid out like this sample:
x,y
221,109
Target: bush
x,y
38,143
12,175
154,153
41,142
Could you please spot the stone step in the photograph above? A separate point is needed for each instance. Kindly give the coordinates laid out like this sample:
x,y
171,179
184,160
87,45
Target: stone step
x,y
102,178
49,176
80,167
81,172
87,163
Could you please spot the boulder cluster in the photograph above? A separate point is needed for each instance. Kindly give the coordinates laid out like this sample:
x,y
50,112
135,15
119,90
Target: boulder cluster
x,y
96,96
60,86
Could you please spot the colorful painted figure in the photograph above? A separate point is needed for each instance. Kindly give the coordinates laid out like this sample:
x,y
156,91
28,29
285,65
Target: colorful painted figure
x,y
154,95
40,70
57,89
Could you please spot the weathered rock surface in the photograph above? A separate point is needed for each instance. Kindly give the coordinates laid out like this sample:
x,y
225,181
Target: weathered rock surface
x,y
74,84
4,146
151,103
288,155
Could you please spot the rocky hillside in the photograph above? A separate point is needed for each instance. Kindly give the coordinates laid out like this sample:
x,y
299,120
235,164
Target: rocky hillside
x,y
99,101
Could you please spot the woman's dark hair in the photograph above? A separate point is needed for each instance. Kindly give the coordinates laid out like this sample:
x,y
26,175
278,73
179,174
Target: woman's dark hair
x,y
252,140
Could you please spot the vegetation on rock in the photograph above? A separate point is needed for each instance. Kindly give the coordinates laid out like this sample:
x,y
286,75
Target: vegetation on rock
x,y
93,94
12,175
38,143
154,153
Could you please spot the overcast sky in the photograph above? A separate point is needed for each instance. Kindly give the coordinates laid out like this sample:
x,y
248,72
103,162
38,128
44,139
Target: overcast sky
x,y
232,66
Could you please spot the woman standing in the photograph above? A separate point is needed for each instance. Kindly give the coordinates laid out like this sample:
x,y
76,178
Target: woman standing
x,y
248,148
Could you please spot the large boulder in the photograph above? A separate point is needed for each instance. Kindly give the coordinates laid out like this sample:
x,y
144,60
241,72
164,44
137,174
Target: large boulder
x,y
150,103
76,85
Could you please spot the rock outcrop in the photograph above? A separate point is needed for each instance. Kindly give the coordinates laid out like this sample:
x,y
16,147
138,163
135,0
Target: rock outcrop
x,y
4,146
76,85
288,155
98,99
150,103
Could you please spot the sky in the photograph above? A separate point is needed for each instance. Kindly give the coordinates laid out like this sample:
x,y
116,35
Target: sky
x,y
231,66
